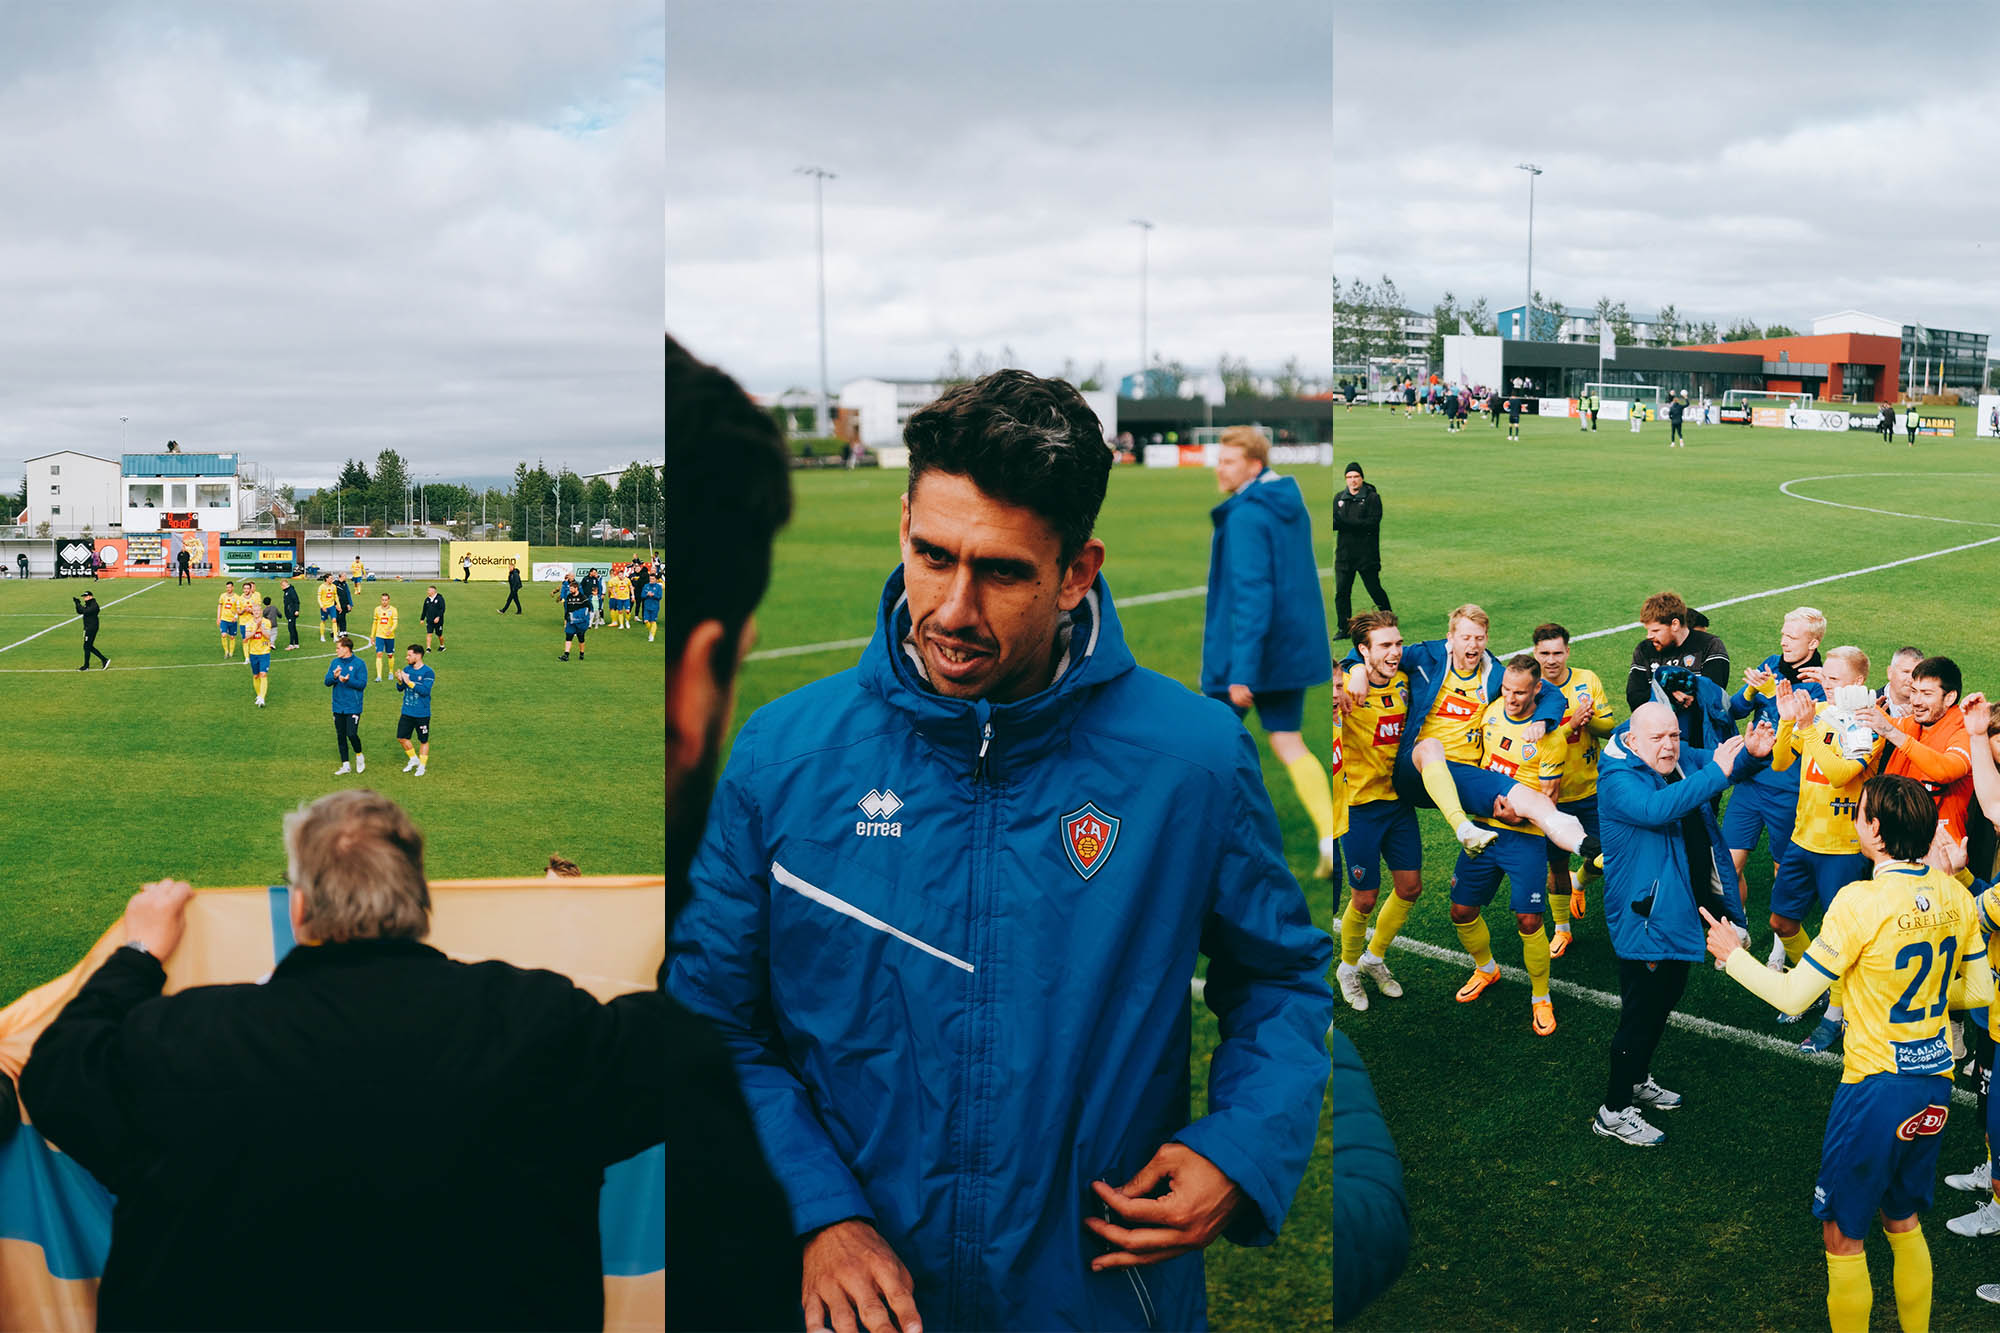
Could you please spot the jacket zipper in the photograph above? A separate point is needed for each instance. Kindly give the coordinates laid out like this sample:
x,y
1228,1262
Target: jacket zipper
x,y
972,1139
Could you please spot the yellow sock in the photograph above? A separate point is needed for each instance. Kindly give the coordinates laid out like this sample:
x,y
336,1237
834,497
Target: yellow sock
x,y
1478,942
1353,932
262,681
1535,955
1559,898
1795,946
1848,1294
409,751
1309,779
1912,1279
1444,792
1389,923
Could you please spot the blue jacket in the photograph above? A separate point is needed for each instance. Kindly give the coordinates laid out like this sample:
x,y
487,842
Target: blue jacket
x,y
1718,719
1764,708
417,694
957,1005
1645,858
1265,624
1428,663
348,677
1371,1210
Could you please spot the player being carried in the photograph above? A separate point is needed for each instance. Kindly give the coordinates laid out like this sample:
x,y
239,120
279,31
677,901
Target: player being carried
x,y
1587,719
383,631
1839,753
1904,940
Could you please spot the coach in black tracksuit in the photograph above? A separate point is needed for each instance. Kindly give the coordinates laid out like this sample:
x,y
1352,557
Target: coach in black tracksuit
x,y
291,612
513,590
1357,527
181,563
86,606
343,603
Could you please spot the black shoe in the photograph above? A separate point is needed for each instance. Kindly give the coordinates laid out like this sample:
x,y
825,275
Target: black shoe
x,y
106,666
84,667
563,658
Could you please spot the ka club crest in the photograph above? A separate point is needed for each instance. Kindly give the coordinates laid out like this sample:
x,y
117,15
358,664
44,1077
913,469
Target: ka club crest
x,y
1088,835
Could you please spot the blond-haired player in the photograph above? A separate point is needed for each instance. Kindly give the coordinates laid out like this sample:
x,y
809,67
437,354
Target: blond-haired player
x,y
383,631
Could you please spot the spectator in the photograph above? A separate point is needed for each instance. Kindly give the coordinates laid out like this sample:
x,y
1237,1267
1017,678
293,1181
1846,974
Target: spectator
x,y
1676,410
86,606
427,1225
1910,422
291,611
181,562
21,559
732,1253
1357,547
513,589
465,567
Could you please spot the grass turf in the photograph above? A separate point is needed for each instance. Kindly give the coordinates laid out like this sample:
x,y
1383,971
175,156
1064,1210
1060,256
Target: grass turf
x,y
1524,1218
162,766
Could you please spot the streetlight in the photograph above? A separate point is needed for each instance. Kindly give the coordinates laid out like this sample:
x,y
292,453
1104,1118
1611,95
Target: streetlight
x,y
820,177
121,433
1145,236
1528,306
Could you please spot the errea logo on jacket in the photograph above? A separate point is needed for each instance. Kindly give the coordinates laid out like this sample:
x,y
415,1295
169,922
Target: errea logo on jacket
x,y
880,807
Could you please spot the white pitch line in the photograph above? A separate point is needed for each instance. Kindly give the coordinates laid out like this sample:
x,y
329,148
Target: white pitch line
x,y
237,662
74,618
1785,488
1143,599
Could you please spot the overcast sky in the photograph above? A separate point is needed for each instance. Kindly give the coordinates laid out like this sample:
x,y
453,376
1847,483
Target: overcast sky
x,y
1777,161
320,228
990,154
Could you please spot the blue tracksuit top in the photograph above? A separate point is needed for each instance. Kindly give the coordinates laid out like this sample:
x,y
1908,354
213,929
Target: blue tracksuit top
x,y
1764,708
417,694
1265,624
348,677
949,944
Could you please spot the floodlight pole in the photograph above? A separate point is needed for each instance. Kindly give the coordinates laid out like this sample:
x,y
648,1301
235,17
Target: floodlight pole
x,y
820,177
1145,236
1528,306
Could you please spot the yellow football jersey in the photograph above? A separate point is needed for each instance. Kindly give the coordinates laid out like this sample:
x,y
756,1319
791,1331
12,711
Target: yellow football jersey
x,y
1371,734
1337,778
1454,715
1504,750
225,606
1829,787
1895,939
328,594
385,622
257,636
1579,771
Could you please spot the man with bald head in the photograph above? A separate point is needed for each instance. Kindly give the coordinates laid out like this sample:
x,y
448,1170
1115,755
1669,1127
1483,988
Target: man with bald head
x,y
1664,856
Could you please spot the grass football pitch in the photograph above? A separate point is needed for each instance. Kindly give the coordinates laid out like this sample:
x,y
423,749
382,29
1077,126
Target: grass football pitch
x,y
1523,1218
162,766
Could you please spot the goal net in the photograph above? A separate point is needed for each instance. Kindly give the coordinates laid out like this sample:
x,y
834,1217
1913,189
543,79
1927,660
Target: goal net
x,y
1747,396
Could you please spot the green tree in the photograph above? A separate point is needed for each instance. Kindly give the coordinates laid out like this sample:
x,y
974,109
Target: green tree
x,y
1481,319
1741,330
1444,320
1237,381
1780,331
569,495
385,493
1291,379
20,498
1667,329
1621,326
1094,381
1705,333
1547,320
353,477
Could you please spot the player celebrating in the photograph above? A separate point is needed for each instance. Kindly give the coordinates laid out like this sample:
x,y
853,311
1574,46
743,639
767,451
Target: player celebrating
x,y
1839,752
621,598
347,677
329,604
1905,942
1767,804
383,632
432,614
1510,761
415,682
649,604
1587,719
225,618
1381,826
257,632
576,616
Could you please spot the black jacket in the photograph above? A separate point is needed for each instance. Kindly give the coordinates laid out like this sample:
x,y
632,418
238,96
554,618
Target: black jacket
x,y
1703,652
182,558
291,603
378,1137
88,610
514,578
432,611
346,595
1357,526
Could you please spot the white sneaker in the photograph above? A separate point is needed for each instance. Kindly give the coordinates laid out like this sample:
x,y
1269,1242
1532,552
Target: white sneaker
x,y
1988,1291
1776,959
1350,987
1981,1221
411,764
360,763
1385,980
1957,1040
260,701
1654,1097
419,773
1979,1180
1627,1126
1474,838
344,768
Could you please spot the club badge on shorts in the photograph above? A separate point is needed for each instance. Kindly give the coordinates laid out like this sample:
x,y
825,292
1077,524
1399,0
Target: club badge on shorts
x,y
1088,835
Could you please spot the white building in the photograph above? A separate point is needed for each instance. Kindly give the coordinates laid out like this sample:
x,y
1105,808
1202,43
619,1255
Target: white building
x,y
1857,321
883,407
70,491
191,491
611,477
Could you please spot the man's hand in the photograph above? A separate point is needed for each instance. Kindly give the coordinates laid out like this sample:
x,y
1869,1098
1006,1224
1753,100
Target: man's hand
x,y
853,1280
1947,853
1240,696
1722,937
1813,675
1978,714
156,915
1763,738
1533,732
1193,1212
1683,699
1725,753
1756,677
1879,722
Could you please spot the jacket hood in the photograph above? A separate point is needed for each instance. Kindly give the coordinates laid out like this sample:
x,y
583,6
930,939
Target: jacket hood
x,y
1094,653
1268,489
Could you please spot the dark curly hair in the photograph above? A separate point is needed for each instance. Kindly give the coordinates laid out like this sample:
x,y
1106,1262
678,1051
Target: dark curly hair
x,y
1021,439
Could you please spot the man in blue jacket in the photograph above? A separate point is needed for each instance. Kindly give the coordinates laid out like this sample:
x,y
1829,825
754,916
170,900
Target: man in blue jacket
x,y
347,677
947,907
415,682
1664,857
1263,638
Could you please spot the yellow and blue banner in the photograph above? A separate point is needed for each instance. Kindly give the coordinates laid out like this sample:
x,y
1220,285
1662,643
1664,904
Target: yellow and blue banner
x,y
605,933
